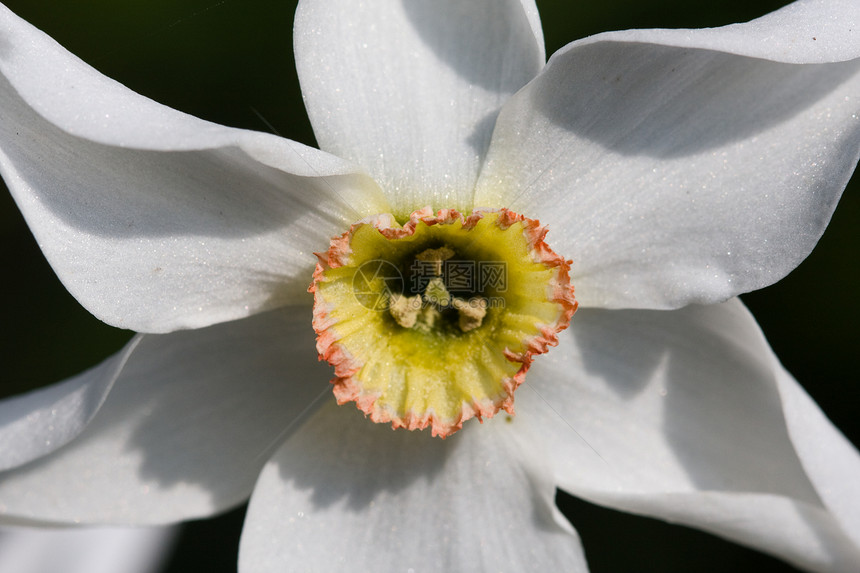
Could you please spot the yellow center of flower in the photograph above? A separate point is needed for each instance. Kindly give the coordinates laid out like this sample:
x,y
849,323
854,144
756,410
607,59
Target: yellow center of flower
x,y
436,321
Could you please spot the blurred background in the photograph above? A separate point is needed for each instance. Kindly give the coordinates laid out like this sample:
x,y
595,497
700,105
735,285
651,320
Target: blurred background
x,y
231,62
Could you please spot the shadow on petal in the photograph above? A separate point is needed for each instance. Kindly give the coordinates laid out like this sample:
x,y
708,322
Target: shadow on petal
x,y
124,193
626,373
478,40
192,419
482,131
260,376
675,102
345,493
340,443
724,422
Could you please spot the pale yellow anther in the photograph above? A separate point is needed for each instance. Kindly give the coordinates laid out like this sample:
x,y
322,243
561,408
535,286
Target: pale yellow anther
x,y
437,257
472,312
405,309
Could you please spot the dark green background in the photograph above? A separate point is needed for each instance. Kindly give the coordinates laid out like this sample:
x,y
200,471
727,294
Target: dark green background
x,y
222,60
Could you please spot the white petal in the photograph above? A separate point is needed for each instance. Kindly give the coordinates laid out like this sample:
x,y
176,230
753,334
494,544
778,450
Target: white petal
x,y
827,456
410,90
192,419
84,550
37,423
674,175
344,494
804,32
679,415
155,220
802,534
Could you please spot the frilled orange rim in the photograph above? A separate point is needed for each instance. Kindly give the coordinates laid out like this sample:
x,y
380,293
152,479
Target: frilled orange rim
x,y
436,321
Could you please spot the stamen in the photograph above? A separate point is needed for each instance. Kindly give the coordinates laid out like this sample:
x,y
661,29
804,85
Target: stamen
x,y
472,312
436,257
405,309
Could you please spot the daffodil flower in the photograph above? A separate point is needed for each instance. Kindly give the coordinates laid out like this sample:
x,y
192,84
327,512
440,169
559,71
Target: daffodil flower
x,y
669,170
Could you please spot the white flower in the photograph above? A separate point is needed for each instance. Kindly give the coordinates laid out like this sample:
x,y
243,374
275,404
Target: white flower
x,y
675,167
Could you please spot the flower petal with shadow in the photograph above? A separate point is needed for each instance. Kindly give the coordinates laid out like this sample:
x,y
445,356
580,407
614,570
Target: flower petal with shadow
x,y
153,219
192,419
402,87
692,173
34,424
394,500
703,441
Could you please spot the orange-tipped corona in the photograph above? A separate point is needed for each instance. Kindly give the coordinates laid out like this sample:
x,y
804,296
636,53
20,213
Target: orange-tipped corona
x,y
436,321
